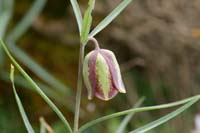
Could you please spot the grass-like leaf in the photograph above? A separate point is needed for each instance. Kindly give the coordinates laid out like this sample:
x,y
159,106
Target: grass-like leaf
x,y
165,118
20,106
87,21
77,13
107,20
58,97
126,120
36,87
135,110
42,127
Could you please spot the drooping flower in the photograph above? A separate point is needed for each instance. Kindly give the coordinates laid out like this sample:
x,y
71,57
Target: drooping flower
x,y
102,74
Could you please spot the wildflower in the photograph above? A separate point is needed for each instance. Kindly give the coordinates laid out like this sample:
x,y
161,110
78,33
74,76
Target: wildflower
x,y
102,75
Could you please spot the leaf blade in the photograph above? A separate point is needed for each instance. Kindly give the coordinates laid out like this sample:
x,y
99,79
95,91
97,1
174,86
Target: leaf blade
x,y
39,91
165,118
87,21
77,13
108,19
126,120
136,110
19,104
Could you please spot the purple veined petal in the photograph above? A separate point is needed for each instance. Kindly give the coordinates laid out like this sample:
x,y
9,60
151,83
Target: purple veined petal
x,y
114,69
92,73
114,91
87,70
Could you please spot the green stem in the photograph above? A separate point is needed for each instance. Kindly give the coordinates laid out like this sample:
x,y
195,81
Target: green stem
x,y
79,89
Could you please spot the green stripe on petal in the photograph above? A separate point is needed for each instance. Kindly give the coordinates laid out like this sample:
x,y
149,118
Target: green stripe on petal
x,y
86,75
103,76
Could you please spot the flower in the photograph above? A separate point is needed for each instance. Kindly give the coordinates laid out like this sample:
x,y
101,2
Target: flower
x,y
101,74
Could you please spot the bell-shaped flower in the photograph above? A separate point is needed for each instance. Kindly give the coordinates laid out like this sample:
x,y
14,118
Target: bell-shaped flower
x,y
102,74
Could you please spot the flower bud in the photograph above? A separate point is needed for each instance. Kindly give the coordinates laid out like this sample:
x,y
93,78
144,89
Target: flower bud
x,y
102,75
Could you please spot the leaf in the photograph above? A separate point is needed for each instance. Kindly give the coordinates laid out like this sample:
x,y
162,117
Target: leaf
x,y
126,120
58,97
42,127
165,118
19,104
36,87
107,20
77,13
135,110
87,21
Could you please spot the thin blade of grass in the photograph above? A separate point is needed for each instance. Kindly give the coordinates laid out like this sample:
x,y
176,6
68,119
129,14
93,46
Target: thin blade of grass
x,y
87,21
36,87
126,120
77,13
19,103
165,118
58,97
107,20
42,128
135,110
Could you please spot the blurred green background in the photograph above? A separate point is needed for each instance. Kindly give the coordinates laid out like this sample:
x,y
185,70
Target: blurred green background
x,y
157,44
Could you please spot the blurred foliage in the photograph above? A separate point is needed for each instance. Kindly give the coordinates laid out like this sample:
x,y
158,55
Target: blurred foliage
x,y
156,42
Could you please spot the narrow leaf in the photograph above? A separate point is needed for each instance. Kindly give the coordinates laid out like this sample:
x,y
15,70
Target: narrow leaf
x,y
164,119
135,110
126,120
36,87
87,21
107,20
19,104
77,13
58,97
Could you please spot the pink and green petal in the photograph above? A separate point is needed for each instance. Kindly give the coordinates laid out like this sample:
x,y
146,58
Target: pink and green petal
x,y
114,69
103,77
86,74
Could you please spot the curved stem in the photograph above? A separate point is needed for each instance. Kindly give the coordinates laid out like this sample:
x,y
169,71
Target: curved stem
x,y
79,89
94,41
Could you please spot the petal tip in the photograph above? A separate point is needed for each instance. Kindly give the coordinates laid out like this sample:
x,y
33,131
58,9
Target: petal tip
x,y
122,90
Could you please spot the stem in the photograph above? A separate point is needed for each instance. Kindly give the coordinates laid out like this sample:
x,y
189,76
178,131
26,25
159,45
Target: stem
x,y
95,42
79,88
